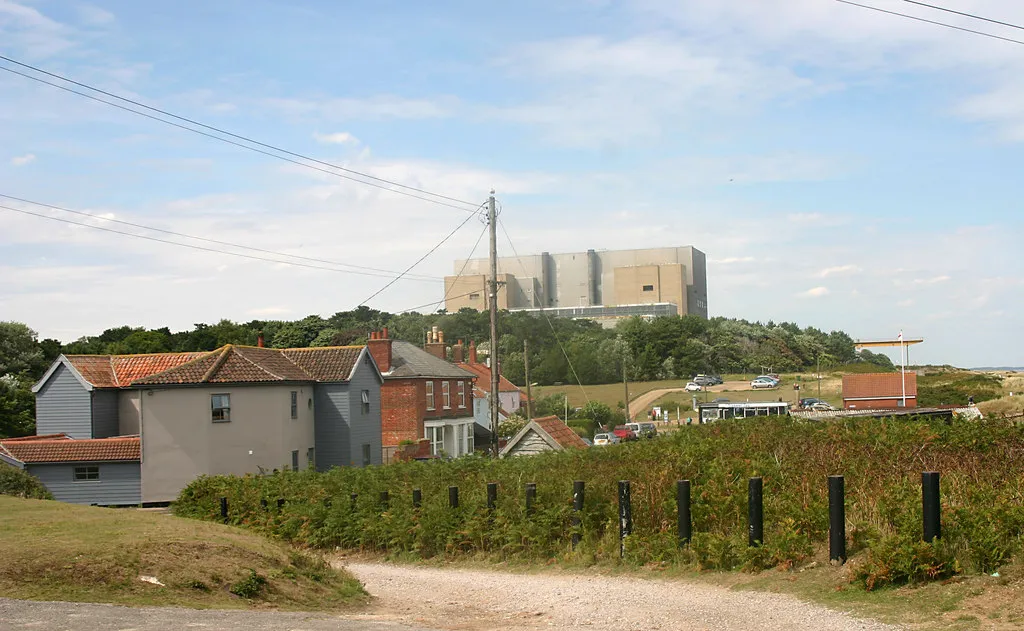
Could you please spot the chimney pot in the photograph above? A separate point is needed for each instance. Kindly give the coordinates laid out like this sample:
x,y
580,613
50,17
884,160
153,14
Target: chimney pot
x,y
259,339
384,333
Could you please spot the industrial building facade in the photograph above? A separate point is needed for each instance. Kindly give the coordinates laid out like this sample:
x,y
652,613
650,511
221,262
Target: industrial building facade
x,y
580,282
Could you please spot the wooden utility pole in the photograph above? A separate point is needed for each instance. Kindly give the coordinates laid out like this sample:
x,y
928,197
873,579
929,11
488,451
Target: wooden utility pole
x,y
492,224
625,385
529,392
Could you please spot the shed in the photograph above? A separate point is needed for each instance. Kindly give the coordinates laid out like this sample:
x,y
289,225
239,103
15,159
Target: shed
x,y
543,434
880,391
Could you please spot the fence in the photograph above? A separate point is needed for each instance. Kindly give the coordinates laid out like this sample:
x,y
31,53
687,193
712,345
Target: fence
x,y
930,508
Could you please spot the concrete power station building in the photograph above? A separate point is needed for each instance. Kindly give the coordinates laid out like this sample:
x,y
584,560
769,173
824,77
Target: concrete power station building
x,y
600,285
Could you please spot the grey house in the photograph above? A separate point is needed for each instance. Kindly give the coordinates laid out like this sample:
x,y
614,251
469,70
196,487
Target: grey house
x,y
234,410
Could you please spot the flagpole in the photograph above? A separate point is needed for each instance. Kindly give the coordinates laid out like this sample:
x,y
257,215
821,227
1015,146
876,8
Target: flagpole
x,y
903,370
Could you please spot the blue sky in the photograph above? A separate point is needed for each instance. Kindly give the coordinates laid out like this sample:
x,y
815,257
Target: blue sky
x,y
841,168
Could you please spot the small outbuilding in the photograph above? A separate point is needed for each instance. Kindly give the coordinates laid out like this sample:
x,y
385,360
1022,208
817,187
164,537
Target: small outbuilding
x,y
543,434
880,391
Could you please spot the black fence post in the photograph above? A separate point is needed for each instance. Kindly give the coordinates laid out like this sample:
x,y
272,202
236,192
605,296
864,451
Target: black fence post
x,y
492,495
683,508
930,506
625,516
531,497
417,498
385,500
224,509
264,504
578,493
352,501
836,519
280,504
453,496
327,502
755,512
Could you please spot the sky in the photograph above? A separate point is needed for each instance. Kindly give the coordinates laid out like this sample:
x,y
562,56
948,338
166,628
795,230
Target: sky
x,y
841,168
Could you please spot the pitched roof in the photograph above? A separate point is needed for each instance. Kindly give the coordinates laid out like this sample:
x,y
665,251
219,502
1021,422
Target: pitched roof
x,y
484,374
61,448
118,371
552,430
886,385
409,360
327,363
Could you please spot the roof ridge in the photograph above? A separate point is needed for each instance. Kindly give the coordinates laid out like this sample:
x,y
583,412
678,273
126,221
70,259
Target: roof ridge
x,y
267,370
203,355
224,352
36,437
321,348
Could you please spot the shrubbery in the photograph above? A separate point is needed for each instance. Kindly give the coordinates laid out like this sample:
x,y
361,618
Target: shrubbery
x,y
16,482
882,460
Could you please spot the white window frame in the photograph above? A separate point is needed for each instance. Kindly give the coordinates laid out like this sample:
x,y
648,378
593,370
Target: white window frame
x,y
470,440
225,410
430,395
464,439
462,394
89,473
446,395
436,436
295,404
365,399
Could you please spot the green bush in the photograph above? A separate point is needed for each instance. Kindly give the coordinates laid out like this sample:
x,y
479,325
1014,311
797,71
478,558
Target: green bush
x,y
249,587
882,460
16,482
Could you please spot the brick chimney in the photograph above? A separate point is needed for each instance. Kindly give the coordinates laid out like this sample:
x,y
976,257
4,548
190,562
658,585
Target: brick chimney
x,y
435,343
259,339
458,353
472,352
380,348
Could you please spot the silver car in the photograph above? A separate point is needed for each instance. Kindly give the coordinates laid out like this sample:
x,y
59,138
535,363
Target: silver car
x,y
606,439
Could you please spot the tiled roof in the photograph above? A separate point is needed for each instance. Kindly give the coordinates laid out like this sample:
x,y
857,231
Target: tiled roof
x,y
326,364
42,449
409,360
116,371
484,374
885,385
560,432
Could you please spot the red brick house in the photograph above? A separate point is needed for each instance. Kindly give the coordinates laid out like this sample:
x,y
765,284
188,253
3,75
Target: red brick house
x,y
879,391
423,397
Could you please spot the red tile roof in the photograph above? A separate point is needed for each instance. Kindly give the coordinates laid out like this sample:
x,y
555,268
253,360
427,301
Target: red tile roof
x,y
118,371
887,385
326,364
484,373
50,448
560,432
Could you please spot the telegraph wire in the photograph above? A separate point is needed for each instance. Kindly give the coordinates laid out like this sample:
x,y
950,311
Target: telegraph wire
x,y
968,15
436,198
197,247
457,276
552,326
215,241
914,17
420,260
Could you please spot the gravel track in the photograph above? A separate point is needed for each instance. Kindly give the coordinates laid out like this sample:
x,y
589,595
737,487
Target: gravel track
x,y
479,600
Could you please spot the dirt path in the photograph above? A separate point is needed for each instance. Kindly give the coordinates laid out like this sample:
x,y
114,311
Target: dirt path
x,y
640,405
476,600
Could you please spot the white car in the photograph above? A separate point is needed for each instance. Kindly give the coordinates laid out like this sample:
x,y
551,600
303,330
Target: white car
x,y
759,383
692,387
606,439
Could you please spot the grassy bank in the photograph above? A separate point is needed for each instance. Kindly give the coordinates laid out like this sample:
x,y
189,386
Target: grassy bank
x,y
881,459
55,551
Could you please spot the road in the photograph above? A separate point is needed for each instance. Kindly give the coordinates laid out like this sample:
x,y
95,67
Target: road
x,y
640,405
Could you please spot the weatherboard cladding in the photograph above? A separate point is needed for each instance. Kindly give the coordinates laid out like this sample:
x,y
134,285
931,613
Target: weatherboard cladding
x,y
119,483
104,413
365,427
64,406
331,425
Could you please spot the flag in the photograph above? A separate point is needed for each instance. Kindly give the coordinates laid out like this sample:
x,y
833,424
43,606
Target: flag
x,y
900,336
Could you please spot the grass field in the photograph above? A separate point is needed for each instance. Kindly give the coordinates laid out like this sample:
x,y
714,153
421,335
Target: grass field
x,y
55,551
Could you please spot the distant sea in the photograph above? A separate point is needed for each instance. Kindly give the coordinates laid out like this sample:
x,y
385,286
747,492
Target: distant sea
x,y
1013,368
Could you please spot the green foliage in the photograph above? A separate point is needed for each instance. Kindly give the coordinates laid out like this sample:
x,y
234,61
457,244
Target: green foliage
x,y
881,459
598,412
249,587
16,482
955,388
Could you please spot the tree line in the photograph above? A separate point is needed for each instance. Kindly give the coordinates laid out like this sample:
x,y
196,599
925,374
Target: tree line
x,y
560,350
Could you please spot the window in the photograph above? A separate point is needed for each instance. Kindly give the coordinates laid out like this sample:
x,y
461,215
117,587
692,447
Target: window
x,y
87,474
436,436
446,397
464,434
295,404
367,461
462,394
474,296
221,406
365,398
310,458
295,460
470,441
648,287
430,395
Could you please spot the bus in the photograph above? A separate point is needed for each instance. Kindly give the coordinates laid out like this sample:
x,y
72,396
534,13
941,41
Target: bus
x,y
716,411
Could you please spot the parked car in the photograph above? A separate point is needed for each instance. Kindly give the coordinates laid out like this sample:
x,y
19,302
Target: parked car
x,y
774,378
822,405
763,382
809,401
692,386
702,380
624,433
714,380
606,438
643,430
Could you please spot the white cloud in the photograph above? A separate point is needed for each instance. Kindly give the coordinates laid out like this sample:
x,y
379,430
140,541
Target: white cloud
x,y
379,107
730,260
337,138
931,281
838,269
95,16
20,161
816,292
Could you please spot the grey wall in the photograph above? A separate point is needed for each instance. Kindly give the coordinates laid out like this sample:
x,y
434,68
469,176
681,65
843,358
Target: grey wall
x,y
119,483
529,445
104,413
331,425
63,405
365,428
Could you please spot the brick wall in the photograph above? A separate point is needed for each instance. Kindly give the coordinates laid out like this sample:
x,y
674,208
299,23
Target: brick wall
x,y
402,403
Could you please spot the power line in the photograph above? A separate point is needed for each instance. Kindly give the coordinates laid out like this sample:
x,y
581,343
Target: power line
x,y
436,198
420,260
196,247
457,276
552,326
969,15
215,241
914,17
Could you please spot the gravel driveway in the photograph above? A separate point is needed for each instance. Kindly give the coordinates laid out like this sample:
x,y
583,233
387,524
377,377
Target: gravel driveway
x,y
484,600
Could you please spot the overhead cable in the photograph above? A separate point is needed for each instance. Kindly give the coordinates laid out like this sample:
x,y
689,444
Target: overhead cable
x,y
969,15
914,17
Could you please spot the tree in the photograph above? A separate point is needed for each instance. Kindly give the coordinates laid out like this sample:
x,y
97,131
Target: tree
x,y
20,355
17,407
